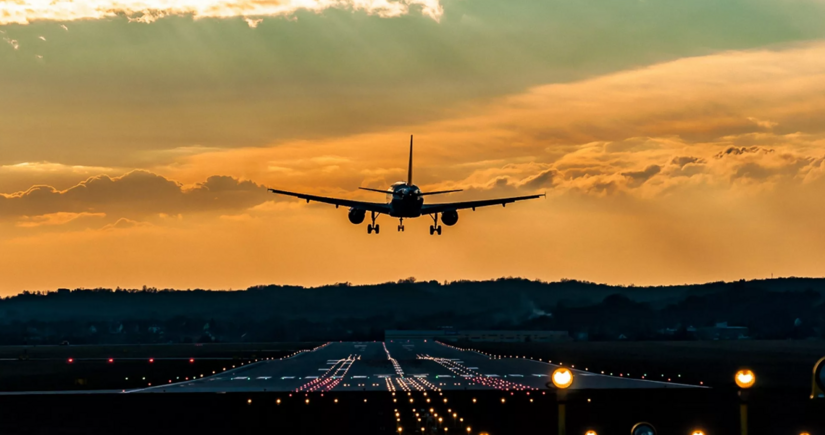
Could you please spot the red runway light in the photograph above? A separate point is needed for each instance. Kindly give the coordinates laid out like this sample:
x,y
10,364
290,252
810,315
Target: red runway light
x,y
151,360
111,360
71,360
191,360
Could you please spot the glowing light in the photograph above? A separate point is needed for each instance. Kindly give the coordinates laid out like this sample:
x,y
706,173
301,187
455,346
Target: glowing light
x,y
562,378
745,378
698,432
590,432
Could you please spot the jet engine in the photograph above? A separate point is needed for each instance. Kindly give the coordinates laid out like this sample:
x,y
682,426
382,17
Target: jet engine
x,y
449,218
357,216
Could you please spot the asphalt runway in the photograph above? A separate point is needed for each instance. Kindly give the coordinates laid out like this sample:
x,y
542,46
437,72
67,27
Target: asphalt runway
x,y
399,365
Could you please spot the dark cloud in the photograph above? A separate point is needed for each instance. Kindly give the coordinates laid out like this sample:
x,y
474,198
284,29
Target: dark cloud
x,y
736,151
638,178
681,161
543,179
133,195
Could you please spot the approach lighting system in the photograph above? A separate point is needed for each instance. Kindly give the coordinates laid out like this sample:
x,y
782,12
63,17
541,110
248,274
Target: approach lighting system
x,y
643,428
562,378
818,389
745,378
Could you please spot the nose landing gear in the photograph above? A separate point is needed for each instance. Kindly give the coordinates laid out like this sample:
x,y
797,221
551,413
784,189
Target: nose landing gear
x,y
435,228
373,226
401,225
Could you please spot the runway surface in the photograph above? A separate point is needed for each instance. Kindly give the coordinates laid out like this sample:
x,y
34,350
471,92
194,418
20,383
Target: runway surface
x,y
399,365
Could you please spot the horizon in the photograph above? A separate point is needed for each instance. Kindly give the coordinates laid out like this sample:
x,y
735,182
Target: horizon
x,y
404,281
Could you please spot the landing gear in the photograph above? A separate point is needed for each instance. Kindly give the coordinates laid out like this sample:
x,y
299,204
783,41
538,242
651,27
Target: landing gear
x,y
373,226
401,225
435,228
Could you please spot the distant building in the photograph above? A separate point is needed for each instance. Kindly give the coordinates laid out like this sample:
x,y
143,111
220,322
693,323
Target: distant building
x,y
721,331
479,336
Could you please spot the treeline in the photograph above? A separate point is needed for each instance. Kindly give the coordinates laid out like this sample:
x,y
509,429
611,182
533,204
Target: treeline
x,y
779,308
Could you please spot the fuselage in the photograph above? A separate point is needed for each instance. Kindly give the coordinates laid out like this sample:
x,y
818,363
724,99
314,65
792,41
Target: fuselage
x,y
405,200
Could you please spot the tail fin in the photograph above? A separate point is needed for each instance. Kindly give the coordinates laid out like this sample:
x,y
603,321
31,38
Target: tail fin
x,y
409,169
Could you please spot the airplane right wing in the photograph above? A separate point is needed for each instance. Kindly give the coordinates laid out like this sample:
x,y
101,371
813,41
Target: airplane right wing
x,y
361,205
439,208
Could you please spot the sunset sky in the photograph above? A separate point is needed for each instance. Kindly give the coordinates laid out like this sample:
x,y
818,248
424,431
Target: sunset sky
x,y
677,141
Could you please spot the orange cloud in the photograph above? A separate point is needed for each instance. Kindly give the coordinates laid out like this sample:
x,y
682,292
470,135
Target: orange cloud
x,y
51,219
147,11
137,193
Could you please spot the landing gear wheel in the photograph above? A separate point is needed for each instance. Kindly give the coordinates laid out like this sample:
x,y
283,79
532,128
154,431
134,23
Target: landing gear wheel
x,y
369,229
438,230
401,228
432,230
376,228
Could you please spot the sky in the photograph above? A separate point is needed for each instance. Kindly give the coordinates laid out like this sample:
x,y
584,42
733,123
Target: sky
x,y
677,142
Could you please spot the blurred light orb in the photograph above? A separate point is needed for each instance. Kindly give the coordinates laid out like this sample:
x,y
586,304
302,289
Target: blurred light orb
x,y
562,378
590,432
643,428
698,432
745,378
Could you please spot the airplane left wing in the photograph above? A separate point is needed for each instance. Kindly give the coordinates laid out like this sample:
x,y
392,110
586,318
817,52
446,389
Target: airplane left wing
x,y
439,208
368,206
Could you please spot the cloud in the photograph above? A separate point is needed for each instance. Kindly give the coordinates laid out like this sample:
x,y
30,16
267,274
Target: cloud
x,y
253,23
763,123
147,11
53,219
681,161
639,177
133,195
13,42
124,223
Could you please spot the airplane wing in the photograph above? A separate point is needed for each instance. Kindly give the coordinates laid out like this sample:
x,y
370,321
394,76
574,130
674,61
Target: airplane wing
x,y
438,208
368,206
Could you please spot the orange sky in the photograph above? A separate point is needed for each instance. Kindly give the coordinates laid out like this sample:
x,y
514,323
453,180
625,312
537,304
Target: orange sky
x,y
695,169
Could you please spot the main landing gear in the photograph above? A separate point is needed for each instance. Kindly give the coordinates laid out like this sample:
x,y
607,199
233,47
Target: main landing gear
x,y
373,226
401,225
435,228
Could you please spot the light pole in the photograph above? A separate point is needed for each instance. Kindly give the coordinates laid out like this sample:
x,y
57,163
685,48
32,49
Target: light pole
x,y
745,380
562,379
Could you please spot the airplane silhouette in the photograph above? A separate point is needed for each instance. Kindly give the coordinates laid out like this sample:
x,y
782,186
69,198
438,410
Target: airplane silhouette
x,y
407,202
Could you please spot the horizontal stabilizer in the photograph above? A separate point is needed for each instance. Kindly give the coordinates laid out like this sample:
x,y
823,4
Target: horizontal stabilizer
x,y
389,192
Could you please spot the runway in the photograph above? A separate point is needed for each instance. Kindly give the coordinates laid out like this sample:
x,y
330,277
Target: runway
x,y
400,365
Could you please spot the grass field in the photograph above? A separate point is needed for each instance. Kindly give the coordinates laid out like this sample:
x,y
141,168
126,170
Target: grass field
x,y
214,350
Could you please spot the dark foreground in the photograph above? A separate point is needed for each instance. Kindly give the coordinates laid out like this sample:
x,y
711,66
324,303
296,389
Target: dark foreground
x,y
607,412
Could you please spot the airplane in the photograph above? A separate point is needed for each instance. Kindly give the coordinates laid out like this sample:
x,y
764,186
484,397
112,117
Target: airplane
x,y
407,201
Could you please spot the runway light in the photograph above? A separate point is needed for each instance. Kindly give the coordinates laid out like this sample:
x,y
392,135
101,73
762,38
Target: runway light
x,y
698,432
111,360
249,401
151,360
745,378
191,360
590,432
562,378
71,360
